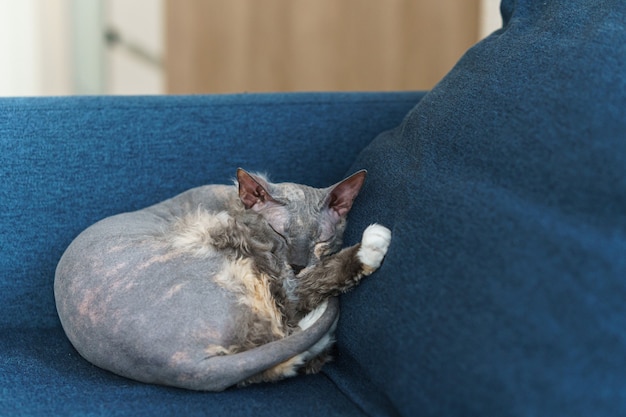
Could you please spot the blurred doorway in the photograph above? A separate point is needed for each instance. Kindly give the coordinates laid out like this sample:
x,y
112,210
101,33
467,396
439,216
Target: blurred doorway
x,y
223,46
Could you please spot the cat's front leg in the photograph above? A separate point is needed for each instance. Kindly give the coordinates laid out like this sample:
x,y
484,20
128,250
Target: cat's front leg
x,y
340,272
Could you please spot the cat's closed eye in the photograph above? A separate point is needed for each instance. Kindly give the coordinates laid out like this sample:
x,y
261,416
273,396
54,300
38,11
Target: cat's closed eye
x,y
281,235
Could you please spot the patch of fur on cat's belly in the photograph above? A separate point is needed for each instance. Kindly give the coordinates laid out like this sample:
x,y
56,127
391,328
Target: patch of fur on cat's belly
x,y
200,233
197,231
252,291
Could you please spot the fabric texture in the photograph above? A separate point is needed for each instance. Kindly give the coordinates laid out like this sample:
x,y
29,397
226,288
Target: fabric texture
x,y
503,291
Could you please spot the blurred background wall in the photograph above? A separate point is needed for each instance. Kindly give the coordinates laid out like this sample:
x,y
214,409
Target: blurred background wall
x,y
59,47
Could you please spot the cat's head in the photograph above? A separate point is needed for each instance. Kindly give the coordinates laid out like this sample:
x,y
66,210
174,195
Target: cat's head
x,y
310,220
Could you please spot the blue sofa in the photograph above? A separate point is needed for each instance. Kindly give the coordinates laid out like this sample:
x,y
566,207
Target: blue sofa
x,y
504,289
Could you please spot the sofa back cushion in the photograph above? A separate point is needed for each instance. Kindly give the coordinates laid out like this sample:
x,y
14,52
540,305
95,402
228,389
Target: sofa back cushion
x,y
503,291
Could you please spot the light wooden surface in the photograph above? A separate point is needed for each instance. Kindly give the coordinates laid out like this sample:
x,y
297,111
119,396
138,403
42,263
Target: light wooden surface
x,y
218,46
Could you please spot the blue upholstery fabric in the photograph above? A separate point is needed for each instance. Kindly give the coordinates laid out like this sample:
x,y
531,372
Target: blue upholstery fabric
x,y
504,289
505,187
67,162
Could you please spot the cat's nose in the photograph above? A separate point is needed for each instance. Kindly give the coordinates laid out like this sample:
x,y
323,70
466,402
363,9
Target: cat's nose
x,y
296,268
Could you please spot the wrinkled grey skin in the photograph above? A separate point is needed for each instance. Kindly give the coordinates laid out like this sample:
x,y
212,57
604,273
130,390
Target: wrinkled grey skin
x,y
131,306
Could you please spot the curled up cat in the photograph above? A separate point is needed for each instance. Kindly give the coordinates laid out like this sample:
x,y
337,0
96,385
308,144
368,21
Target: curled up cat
x,y
218,286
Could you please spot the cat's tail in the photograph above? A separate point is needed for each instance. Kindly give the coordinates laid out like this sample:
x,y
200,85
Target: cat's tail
x,y
216,373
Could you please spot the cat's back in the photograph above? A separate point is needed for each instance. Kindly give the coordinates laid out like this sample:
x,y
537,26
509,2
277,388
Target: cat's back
x,y
125,294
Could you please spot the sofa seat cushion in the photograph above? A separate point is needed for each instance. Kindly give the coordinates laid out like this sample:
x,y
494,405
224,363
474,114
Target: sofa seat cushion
x,y
54,381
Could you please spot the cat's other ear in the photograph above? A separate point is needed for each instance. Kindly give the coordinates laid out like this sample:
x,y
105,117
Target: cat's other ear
x,y
342,195
253,191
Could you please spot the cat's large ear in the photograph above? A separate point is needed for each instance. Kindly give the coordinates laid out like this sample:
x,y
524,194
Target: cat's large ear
x,y
342,195
253,191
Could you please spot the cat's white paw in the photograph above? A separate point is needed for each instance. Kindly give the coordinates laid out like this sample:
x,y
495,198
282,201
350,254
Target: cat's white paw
x,y
374,244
